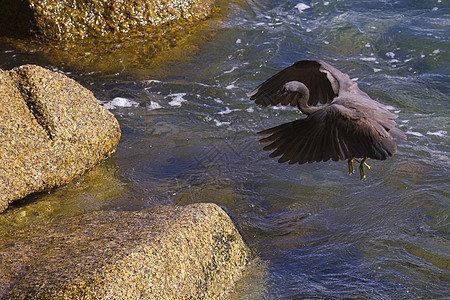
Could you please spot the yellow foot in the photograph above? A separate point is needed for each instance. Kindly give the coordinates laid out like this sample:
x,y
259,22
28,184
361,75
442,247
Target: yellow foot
x,y
362,163
351,169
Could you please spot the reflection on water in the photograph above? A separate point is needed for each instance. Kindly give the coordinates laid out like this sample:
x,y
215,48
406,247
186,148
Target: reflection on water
x,y
189,136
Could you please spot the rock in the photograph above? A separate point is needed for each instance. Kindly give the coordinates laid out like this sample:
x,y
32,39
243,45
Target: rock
x,y
165,252
51,131
73,20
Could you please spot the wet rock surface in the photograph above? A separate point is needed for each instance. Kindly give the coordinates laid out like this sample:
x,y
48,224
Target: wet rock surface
x,y
165,252
109,36
51,131
71,20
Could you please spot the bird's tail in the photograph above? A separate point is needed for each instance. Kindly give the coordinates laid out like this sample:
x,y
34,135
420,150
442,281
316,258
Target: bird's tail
x,y
398,133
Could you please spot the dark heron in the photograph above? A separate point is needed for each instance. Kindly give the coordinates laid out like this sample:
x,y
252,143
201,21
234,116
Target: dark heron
x,y
350,125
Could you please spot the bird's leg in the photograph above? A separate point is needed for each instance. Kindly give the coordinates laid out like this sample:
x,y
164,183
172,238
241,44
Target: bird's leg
x,y
351,169
362,163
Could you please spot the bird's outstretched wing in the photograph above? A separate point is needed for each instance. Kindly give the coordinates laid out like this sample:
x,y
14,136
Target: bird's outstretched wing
x,y
318,76
373,110
333,132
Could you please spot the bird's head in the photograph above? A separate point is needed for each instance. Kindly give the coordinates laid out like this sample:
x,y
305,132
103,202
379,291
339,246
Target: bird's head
x,y
295,87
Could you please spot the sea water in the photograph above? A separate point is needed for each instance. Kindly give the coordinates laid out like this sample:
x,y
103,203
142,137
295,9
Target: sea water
x,y
190,136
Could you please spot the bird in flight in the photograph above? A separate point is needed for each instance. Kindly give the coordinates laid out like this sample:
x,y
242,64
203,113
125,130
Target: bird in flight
x,y
348,126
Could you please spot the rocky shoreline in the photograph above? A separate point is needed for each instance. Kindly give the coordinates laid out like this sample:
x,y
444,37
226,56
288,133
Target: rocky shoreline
x,y
62,20
53,130
159,253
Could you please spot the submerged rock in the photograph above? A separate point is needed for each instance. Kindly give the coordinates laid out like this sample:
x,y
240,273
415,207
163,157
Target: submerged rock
x,y
166,252
51,130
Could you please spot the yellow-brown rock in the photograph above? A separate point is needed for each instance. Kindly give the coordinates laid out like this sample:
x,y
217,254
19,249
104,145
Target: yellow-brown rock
x,y
51,130
68,20
190,252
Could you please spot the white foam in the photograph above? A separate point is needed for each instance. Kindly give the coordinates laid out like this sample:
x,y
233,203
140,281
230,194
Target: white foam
x,y
390,107
437,51
227,111
177,99
229,71
414,133
368,58
154,105
238,41
230,87
217,122
202,84
152,81
390,54
377,70
302,6
280,107
120,102
440,133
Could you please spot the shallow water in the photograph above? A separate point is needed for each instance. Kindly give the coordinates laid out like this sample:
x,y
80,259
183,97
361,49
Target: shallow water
x,y
188,135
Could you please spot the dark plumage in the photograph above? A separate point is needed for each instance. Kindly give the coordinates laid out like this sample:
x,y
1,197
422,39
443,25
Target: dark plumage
x,y
349,125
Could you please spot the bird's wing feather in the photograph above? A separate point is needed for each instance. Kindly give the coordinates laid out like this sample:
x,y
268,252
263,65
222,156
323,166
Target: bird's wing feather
x,y
318,76
372,109
334,132
326,84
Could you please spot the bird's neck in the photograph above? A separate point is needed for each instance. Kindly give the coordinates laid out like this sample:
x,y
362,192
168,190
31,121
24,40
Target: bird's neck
x,y
303,105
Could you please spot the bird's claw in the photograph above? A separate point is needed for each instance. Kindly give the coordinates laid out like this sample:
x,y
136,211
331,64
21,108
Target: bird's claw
x,y
362,172
362,163
351,169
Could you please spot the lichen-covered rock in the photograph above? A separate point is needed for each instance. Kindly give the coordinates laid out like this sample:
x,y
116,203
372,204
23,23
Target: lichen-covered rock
x,y
51,130
75,19
190,252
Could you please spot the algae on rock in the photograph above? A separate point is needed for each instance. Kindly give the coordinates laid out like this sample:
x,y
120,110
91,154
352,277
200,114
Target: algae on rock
x,y
51,131
190,252
74,20
107,35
